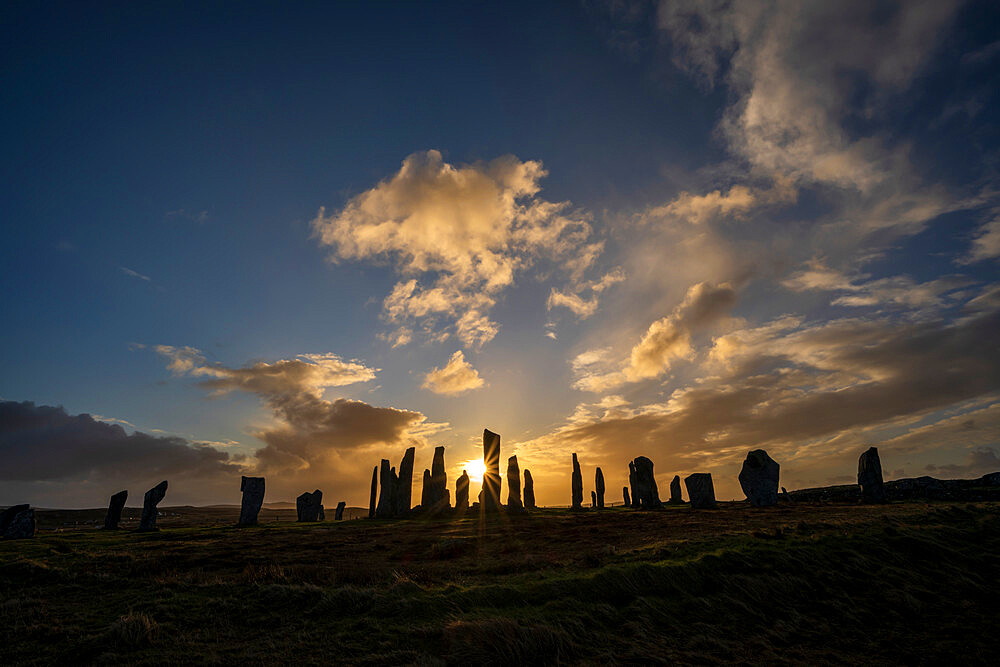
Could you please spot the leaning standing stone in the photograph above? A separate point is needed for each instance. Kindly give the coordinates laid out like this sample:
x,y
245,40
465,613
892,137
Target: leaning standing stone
x,y
17,522
115,507
599,485
529,490
149,503
513,485
759,479
309,506
701,491
253,498
577,484
870,477
675,491
339,512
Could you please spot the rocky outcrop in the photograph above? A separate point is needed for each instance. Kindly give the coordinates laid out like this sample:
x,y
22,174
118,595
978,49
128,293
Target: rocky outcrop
x,y
870,477
489,497
577,482
645,494
675,491
374,494
462,492
599,489
514,485
404,489
17,522
309,506
149,502
115,507
701,491
253,499
529,490
759,478
338,514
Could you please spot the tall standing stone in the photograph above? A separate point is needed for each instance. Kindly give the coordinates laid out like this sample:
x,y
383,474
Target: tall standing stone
x,y
405,483
529,490
489,498
675,491
439,481
149,503
599,486
374,494
309,506
625,497
631,484
462,492
701,491
425,491
386,482
759,478
514,485
115,507
645,494
870,477
17,522
577,483
253,499
339,512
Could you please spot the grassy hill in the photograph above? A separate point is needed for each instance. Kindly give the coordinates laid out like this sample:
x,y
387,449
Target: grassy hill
x,y
910,582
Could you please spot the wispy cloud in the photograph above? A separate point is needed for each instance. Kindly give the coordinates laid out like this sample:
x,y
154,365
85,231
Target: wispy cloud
x,y
135,274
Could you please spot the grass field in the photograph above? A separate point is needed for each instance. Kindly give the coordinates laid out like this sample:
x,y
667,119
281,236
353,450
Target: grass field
x,y
910,582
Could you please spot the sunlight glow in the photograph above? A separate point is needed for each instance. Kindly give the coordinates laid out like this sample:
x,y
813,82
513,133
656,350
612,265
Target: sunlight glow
x,y
476,468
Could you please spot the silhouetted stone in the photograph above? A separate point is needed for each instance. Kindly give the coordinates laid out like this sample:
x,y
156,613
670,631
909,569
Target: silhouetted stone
x,y
593,499
489,497
577,482
785,496
759,478
645,493
387,487
514,485
309,506
17,522
374,494
529,490
437,497
631,484
405,483
625,496
701,491
870,477
149,502
425,490
253,498
462,492
675,491
115,507
338,514
599,486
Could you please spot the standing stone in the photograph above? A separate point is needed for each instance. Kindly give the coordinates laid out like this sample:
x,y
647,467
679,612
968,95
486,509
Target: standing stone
x,y
599,486
759,478
675,491
405,488
17,522
593,499
870,477
438,498
386,482
253,499
628,501
338,514
529,490
462,492
149,503
645,493
701,491
631,484
514,485
371,499
489,497
425,492
309,506
577,484
115,507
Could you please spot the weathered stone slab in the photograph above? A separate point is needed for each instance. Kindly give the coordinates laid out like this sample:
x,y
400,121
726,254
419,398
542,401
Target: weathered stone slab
x,y
529,490
577,483
759,478
253,499
675,491
489,497
115,507
599,487
625,497
870,477
338,514
462,492
701,491
645,493
17,522
405,483
309,506
374,494
149,502
514,485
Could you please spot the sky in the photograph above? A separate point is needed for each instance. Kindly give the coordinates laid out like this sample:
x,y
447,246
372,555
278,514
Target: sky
x,y
292,239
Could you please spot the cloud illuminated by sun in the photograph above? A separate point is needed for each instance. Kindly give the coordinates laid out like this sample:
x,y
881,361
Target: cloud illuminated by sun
x,y
476,468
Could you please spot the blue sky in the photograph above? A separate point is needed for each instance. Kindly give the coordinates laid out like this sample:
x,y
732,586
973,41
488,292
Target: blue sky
x,y
679,230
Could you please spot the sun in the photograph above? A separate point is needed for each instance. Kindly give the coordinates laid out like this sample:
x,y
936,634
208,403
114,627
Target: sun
x,y
476,468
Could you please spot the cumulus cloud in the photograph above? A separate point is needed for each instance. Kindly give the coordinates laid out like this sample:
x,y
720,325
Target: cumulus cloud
x,y
455,377
457,237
